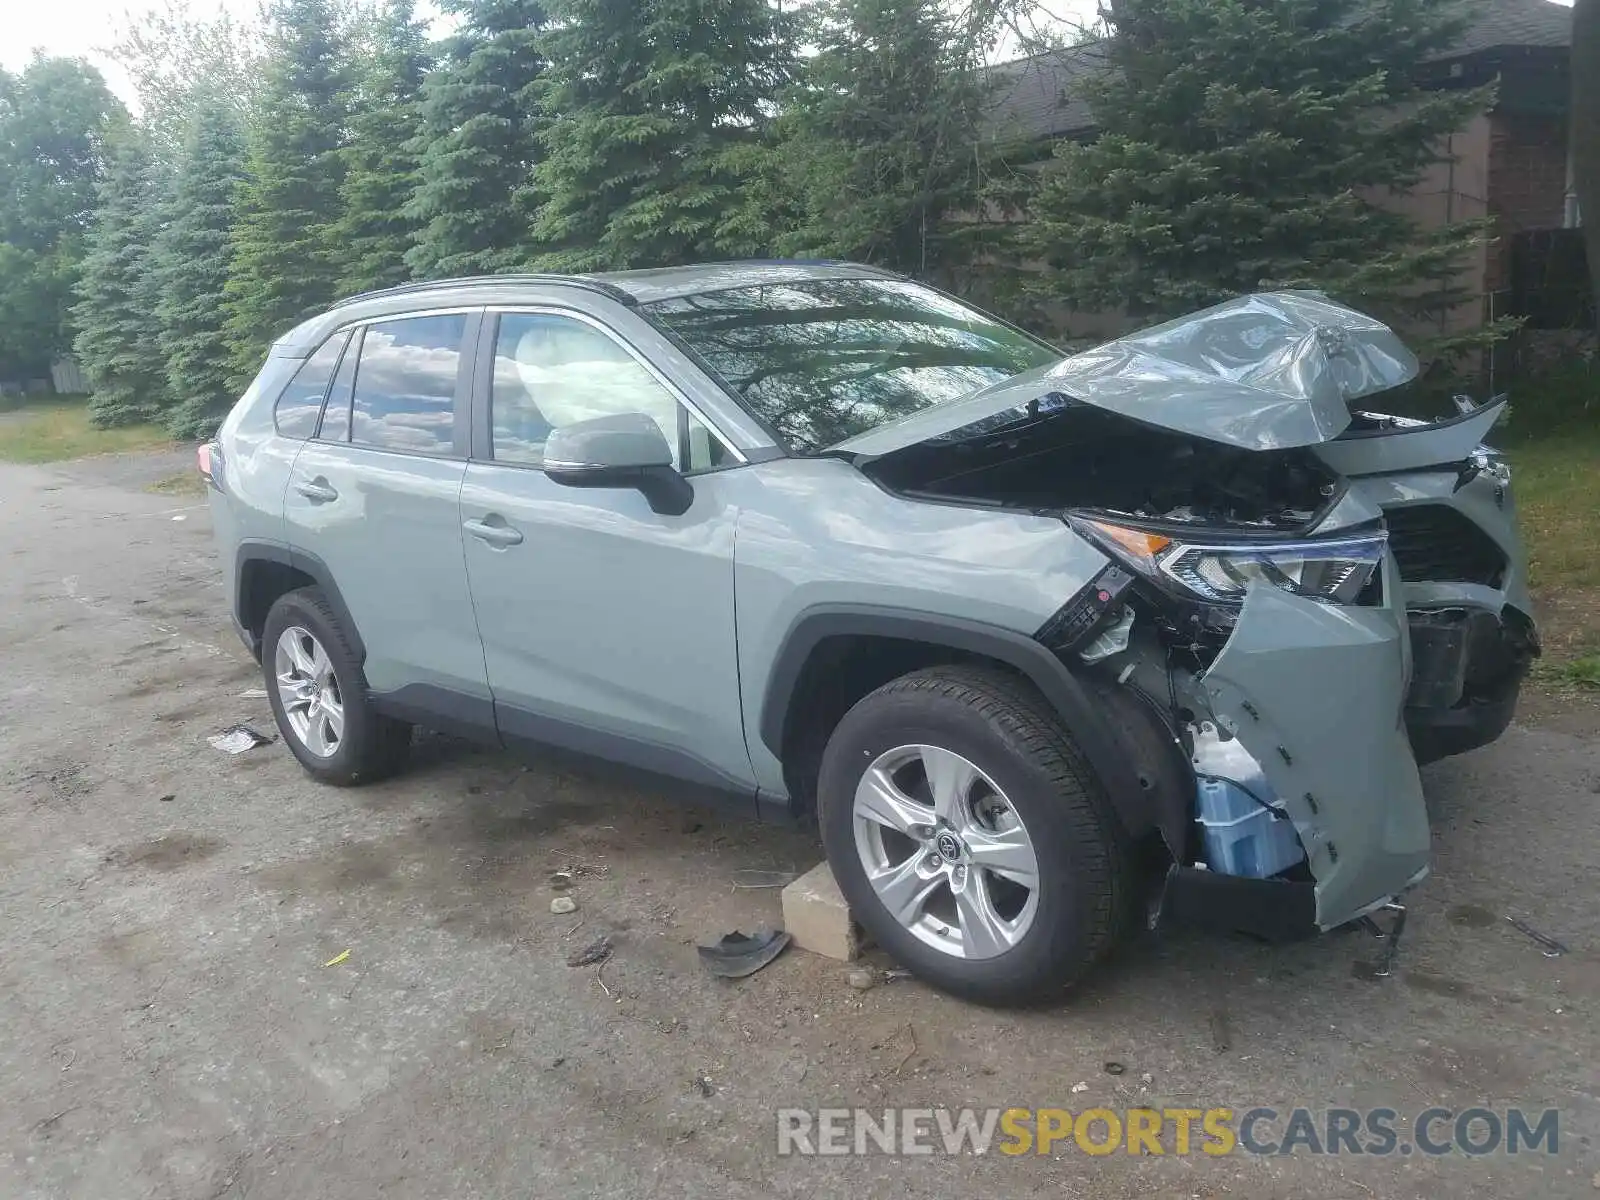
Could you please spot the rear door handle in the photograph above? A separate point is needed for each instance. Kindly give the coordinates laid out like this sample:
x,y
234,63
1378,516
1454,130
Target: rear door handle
x,y
493,530
318,490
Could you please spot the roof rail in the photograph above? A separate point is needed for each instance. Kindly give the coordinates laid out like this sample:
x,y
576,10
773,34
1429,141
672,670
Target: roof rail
x,y
506,280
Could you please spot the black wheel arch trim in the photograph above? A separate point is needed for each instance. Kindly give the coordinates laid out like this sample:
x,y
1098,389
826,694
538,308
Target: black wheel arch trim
x,y
254,550
1067,694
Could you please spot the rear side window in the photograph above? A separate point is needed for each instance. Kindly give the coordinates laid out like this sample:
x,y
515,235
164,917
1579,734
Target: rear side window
x,y
301,402
406,384
336,413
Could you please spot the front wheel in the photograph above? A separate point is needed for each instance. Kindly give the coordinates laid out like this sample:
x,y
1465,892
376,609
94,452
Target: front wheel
x,y
970,837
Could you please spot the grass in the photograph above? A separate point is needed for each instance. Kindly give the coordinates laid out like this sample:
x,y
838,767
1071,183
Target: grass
x,y
1556,478
184,483
58,428
1584,671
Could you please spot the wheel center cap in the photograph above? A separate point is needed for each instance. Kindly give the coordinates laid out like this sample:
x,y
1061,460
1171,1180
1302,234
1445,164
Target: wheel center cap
x,y
949,847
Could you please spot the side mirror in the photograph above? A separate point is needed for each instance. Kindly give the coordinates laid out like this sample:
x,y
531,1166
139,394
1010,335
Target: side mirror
x,y
621,451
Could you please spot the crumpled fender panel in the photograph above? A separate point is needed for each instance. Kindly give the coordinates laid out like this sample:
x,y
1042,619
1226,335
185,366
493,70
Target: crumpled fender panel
x,y
1314,692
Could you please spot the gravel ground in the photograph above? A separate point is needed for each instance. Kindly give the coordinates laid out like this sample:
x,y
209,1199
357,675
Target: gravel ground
x,y
168,1027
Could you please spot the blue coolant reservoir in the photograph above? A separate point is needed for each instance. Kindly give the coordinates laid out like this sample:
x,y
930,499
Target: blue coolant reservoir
x,y
1242,833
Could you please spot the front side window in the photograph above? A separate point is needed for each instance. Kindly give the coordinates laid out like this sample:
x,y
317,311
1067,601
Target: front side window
x,y
551,371
406,384
823,360
300,404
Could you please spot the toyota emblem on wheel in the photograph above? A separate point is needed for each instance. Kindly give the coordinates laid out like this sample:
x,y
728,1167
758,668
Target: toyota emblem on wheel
x,y
949,847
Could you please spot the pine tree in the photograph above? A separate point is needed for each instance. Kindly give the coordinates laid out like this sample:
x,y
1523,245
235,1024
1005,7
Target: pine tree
x,y
284,260
473,204
654,106
881,144
190,268
1240,145
382,161
116,344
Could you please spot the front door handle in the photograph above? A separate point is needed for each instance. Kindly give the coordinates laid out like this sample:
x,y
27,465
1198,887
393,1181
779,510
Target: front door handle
x,y
494,530
318,490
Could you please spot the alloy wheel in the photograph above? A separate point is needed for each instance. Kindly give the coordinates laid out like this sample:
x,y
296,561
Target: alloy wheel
x,y
309,691
945,851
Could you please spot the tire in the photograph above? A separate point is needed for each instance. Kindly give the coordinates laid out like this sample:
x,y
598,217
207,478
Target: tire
x,y
369,746
1033,942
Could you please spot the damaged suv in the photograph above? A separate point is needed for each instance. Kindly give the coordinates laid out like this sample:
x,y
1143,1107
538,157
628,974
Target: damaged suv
x,y
1043,643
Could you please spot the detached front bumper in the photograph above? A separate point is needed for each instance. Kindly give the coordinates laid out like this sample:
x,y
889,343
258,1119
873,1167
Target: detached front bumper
x,y
1316,693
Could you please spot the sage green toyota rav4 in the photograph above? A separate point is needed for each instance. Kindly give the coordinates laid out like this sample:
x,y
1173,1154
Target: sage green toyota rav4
x,y
1043,643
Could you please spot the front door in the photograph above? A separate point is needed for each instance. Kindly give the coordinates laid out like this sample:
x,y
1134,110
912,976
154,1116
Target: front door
x,y
608,629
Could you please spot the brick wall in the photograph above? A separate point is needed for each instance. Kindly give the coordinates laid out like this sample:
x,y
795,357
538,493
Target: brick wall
x,y
1527,180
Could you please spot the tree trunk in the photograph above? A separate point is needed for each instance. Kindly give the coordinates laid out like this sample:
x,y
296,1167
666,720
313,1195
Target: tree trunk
x,y
1585,130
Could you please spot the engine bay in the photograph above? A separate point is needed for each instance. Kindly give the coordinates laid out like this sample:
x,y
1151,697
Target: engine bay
x,y
1080,457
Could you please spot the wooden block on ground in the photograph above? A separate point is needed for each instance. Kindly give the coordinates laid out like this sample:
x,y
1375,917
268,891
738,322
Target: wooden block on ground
x,y
817,917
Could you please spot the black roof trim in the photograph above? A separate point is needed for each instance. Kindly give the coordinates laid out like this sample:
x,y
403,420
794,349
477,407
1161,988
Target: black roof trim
x,y
464,282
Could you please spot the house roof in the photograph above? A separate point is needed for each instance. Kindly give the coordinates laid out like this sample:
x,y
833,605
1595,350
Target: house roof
x,y
1508,24
1038,96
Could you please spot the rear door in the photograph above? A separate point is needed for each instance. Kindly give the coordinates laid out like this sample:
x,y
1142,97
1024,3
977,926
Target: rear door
x,y
375,496
608,628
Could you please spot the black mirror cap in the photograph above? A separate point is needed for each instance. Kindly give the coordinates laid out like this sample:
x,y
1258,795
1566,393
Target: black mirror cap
x,y
667,492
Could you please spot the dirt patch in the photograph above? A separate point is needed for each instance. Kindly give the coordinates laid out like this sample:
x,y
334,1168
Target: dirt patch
x,y
188,712
57,782
483,849
168,852
1472,916
1569,628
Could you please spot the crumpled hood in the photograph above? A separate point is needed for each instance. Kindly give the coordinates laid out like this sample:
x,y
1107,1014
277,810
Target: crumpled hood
x,y
1264,372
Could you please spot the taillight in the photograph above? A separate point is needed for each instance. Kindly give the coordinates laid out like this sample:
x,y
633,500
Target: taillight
x,y
209,459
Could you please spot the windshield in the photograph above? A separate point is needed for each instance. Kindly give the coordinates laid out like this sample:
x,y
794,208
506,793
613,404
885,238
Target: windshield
x,y
823,360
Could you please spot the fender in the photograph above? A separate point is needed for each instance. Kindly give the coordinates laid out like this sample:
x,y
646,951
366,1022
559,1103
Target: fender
x,y
254,550
1067,694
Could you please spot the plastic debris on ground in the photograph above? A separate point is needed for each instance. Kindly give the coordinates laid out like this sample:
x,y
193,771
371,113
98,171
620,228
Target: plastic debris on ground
x,y
863,979
737,954
1551,947
751,878
236,739
337,959
253,694
596,951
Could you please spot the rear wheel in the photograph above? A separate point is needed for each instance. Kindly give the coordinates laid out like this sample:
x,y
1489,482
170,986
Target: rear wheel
x,y
319,695
970,837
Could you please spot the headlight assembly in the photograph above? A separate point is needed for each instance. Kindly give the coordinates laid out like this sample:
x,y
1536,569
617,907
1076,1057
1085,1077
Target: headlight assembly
x,y
1334,570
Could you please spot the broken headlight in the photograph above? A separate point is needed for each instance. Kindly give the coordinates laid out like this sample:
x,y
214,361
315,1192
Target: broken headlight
x,y
1332,569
